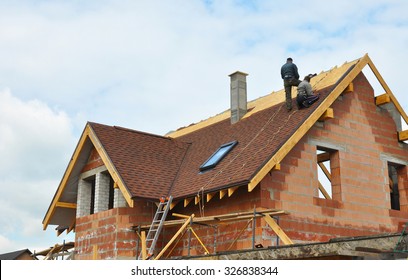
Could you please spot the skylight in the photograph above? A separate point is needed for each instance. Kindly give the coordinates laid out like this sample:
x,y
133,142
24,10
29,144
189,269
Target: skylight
x,y
216,157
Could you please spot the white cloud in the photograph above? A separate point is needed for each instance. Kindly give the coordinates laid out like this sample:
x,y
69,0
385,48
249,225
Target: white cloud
x,y
35,144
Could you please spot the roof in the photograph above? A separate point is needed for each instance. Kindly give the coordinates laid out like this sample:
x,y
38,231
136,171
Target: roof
x,y
16,254
149,166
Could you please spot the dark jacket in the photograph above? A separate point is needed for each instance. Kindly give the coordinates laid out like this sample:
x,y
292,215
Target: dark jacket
x,y
289,70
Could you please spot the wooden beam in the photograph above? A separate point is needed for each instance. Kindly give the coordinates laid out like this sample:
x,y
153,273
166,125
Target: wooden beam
x,y
231,190
144,246
323,191
225,218
309,122
67,174
187,201
325,171
109,165
387,90
183,227
65,205
277,167
323,157
349,88
278,230
173,204
382,99
223,193
199,240
328,114
196,199
403,135
210,196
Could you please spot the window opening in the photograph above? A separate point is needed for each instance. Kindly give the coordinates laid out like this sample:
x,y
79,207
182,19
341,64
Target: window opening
x,y
328,173
92,210
393,186
216,157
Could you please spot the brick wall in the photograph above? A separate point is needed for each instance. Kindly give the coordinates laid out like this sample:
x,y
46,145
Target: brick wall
x,y
108,234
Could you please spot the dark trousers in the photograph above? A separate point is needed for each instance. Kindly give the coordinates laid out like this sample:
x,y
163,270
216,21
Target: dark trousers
x,y
305,101
288,83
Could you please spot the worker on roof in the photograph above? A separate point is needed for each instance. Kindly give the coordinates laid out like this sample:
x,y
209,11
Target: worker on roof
x,y
305,96
290,76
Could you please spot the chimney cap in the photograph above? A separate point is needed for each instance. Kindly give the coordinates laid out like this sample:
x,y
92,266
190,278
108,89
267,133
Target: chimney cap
x,y
238,72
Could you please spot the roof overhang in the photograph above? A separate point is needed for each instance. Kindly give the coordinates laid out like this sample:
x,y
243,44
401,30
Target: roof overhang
x,y
62,210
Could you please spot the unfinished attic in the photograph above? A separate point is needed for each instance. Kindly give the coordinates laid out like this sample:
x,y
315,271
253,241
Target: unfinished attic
x,y
249,179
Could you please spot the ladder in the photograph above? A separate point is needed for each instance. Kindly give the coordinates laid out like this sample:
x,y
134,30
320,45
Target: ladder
x,y
156,226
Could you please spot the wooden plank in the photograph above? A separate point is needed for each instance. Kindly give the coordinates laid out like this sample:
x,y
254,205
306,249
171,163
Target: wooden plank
x,y
65,205
199,240
323,190
278,230
223,193
382,99
328,114
67,174
187,201
144,245
277,167
95,252
210,196
110,166
231,190
387,90
323,157
403,135
182,228
310,121
196,199
180,215
173,204
349,88
325,171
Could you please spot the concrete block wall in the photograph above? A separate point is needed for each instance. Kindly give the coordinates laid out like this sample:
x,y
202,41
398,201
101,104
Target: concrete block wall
x,y
102,181
83,198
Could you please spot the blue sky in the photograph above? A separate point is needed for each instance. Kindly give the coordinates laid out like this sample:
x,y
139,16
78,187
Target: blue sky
x,y
155,66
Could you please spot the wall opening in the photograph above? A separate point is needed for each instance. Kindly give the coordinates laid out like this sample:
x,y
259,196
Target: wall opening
x,y
394,178
328,173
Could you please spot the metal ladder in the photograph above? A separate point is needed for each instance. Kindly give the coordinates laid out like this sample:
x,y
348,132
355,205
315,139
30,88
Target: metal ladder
x,y
156,226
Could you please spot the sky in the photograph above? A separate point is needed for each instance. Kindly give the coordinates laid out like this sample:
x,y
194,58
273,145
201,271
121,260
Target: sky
x,y
155,66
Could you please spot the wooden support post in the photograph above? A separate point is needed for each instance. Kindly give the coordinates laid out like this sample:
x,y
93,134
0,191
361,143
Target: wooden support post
x,y
324,192
325,171
144,247
199,240
183,227
277,229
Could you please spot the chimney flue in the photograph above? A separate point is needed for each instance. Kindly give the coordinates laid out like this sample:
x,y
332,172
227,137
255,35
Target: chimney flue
x,y
238,89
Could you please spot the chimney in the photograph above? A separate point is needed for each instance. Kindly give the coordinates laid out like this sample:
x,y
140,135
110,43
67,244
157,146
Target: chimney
x,y
238,96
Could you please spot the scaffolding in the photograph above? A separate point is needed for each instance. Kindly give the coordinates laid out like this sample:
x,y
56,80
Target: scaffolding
x,y
271,217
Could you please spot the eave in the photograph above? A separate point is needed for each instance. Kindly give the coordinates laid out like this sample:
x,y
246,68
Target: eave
x,y
87,135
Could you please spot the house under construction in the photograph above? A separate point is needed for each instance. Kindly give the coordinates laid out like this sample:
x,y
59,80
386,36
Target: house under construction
x,y
255,181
